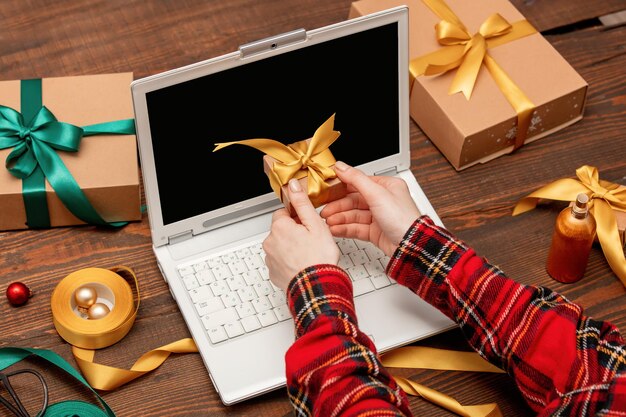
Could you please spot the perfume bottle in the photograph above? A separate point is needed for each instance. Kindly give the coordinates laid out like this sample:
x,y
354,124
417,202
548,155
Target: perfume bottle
x,y
572,238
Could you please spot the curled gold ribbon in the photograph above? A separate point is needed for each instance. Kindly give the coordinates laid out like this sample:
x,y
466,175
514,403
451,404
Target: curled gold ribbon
x,y
604,197
310,158
468,52
86,335
106,378
421,357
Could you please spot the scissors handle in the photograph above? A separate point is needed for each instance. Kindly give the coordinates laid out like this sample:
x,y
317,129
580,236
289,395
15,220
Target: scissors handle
x,y
18,409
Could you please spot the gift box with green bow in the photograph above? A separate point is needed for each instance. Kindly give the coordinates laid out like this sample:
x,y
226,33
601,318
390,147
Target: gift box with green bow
x,y
70,152
483,80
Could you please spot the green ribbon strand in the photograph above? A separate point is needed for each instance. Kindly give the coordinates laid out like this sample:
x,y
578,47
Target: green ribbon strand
x,y
33,187
12,355
35,136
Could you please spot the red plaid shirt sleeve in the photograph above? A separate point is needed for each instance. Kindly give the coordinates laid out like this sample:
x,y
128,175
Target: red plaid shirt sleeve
x,y
333,368
563,362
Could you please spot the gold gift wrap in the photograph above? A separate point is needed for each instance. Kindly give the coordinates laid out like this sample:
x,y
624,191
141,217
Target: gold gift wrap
x,y
105,166
310,161
484,81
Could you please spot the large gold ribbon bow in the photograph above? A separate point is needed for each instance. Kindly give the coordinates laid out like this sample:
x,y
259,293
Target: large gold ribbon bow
x,y
468,52
310,158
604,198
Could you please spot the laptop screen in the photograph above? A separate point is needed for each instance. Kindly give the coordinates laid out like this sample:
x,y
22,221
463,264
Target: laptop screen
x,y
286,98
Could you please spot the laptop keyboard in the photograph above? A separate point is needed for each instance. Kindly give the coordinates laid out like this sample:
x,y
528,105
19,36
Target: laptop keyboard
x,y
233,295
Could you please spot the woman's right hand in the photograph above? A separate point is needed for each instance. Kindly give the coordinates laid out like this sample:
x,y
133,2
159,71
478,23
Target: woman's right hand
x,y
376,209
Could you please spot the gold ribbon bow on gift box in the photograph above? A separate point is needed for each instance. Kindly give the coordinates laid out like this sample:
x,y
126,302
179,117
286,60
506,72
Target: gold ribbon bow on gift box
x,y
460,49
310,158
604,197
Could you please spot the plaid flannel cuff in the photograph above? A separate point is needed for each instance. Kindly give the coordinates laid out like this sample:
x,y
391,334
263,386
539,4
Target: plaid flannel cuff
x,y
320,290
427,251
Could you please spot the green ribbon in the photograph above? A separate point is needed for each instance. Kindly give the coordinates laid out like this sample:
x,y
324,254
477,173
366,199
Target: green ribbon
x,y
35,136
12,355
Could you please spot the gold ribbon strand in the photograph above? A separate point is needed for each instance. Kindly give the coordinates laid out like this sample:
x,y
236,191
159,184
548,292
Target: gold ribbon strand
x,y
310,158
604,197
422,357
106,378
460,49
87,335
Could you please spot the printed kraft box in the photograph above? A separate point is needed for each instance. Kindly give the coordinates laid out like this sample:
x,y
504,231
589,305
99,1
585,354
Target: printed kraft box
x,y
482,128
105,167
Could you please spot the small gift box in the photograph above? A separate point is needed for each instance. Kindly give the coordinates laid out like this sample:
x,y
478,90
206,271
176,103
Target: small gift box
x,y
516,88
309,161
70,152
320,192
607,205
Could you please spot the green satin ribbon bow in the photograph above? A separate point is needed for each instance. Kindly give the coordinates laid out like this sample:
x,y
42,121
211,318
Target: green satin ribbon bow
x,y
34,156
12,355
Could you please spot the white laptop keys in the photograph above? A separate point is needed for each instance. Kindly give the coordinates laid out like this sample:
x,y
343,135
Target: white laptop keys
x,y
210,211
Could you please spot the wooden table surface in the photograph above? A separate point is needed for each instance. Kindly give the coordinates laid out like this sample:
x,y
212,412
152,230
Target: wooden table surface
x,y
49,39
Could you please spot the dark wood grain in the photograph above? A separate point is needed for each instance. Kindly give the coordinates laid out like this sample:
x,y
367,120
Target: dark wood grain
x,y
546,15
48,39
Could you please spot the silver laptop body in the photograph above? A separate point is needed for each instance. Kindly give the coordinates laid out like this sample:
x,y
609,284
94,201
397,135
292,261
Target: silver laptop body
x,y
203,204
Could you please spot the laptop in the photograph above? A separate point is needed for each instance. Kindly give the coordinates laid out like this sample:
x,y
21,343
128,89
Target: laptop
x,y
210,211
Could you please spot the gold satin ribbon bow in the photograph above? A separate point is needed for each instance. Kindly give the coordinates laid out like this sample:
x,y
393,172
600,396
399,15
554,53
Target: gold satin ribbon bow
x,y
604,197
87,335
298,160
421,357
468,52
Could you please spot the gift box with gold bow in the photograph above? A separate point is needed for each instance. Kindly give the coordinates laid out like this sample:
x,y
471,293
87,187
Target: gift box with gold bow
x,y
483,80
607,205
70,152
310,161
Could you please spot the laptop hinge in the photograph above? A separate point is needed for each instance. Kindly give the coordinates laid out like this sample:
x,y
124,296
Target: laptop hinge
x,y
387,172
179,237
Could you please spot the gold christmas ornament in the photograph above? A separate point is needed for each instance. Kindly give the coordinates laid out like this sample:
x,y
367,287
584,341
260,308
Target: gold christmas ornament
x,y
98,311
85,298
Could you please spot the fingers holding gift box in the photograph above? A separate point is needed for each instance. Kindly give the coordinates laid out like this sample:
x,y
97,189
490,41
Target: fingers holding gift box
x,y
320,190
310,161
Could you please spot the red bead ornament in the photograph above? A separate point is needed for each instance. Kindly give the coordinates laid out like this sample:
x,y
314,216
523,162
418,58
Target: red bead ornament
x,y
18,293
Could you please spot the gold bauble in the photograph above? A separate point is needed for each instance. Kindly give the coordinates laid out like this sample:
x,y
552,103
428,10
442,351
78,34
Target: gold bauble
x,y
85,296
98,311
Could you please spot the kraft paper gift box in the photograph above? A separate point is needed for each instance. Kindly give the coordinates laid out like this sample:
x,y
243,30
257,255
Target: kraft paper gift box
x,y
310,161
105,166
485,126
334,191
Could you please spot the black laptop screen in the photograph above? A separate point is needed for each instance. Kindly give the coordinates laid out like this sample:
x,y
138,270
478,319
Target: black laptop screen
x,y
286,98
